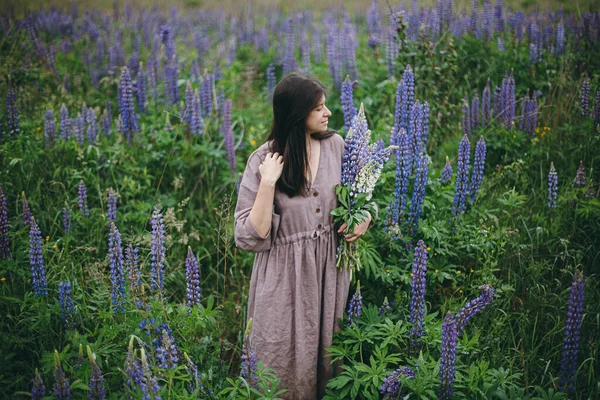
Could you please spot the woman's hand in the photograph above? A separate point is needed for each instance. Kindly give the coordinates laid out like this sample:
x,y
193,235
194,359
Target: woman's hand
x,y
271,168
359,229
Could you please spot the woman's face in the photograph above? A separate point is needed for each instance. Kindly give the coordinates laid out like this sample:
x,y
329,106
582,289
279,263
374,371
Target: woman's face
x,y
318,118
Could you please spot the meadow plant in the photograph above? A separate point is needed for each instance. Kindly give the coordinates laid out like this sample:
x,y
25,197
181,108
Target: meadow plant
x,y
117,269
66,213
417,293
596,115
49,127
227,132
132,264
96,383
36,260
112,205
67,309
62,388
584,99
447,172
196,123
192,279
475,118
355,306
38,390
206,89
385,307
478,168
126,106
347,101
167,353
462,180
249,364
271,80
141,95
418,197
448,357
391,388
12,111
570,349
26,213
82,199
192,370
157,253
552,187
474,307
580,176
4,228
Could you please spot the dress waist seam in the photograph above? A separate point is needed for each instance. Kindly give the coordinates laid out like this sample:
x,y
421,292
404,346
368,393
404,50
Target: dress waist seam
x,y
300,236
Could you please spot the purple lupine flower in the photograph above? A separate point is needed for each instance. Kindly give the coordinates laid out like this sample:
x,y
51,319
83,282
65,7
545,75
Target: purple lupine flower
x,y
96,383
141,89
4,229
373,24
585,96
189,97
500,44
560,39
134,64
474,307
38,391
475,119
466,119
192,370
133,367
418,197
132,263
92,130
474,18
478,167
498,108
462,179
391,387
49,127
289,63
348,102
126,106
355,306
26,214
36,260
148,384
486,20
448,357
398,116
249,364
354,145
106,123
391,51
403,172
167,353
196,123
151,74
446,176
67,309
66,219
271,80
117,269
228,137
385,307
408,97
417,293
192,279
570,350
157,253
499,16
206,94
77,128
65,123
62,389
552,187
12,112
112,205
596,115
424,125
82,199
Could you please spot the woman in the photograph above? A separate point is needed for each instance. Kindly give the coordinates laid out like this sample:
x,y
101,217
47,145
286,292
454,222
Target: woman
x,y
297,294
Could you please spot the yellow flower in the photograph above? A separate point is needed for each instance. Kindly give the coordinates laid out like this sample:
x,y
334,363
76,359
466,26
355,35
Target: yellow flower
x,y
472,270
536,139
429,248
437,270
458,272
387,270
54,246
537,130
2,279
512,122
47,238
253,142
460,291
411,274
38,128
435,254
514,136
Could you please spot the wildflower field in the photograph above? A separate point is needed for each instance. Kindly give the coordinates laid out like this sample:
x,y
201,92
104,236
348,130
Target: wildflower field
x,y
126,128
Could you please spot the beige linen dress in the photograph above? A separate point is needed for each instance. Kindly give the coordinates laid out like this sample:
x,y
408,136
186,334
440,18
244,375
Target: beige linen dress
x,y
297,294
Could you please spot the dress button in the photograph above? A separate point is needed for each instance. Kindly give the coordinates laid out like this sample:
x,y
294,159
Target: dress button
x,y
318,210
319,226
315,194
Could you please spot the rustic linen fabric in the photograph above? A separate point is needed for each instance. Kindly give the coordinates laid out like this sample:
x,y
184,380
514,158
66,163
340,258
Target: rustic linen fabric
x,y
297,294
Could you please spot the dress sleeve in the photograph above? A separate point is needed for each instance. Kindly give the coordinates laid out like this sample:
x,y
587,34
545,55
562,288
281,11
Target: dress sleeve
x,y
245,235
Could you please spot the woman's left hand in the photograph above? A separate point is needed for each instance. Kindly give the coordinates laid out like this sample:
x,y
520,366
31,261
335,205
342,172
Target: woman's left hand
x,y
359,229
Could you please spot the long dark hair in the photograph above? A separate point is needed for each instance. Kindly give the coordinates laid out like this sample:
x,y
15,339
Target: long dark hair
x,y
294,98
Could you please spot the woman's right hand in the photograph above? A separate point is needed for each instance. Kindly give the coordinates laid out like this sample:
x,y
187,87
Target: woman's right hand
x,y
271,168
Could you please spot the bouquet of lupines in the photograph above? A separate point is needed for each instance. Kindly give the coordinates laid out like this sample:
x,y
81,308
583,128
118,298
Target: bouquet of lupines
x,y
361,168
